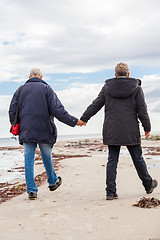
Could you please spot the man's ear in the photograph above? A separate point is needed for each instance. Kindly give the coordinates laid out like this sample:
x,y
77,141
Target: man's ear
x,y
41,76
115,75
29,77
128,75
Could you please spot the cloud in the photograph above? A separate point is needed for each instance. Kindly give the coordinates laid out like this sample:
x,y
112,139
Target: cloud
x,y
5,100
151,86
84,36
75,100
77,36
4,119
79,96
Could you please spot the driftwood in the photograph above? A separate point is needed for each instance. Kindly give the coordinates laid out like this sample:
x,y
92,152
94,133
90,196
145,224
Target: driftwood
x,y
147,202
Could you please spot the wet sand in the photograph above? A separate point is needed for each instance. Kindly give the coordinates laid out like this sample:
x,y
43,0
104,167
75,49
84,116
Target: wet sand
x,y
78,209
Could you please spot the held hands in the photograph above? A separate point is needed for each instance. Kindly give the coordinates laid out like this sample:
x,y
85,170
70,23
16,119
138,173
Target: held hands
x,y
147,134
80,123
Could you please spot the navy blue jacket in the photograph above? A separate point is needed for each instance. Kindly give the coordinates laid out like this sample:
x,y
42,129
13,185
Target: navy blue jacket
x,y
38,105
125,105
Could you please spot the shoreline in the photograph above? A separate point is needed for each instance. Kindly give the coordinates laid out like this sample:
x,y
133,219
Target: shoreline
x,y
78,209
8,190
64,138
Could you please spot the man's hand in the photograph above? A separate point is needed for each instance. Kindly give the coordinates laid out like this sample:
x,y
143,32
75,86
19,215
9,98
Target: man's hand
x,y
147,134
81,123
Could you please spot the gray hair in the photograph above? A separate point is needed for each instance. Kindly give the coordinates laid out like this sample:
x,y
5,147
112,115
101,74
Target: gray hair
x,y
122,69
35,72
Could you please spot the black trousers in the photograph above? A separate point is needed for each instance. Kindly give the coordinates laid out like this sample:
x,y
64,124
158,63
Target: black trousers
x,y
139,163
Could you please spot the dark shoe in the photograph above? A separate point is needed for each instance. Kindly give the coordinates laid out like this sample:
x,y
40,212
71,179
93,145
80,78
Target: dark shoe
x,y
154,185
55,186
32,196
111,197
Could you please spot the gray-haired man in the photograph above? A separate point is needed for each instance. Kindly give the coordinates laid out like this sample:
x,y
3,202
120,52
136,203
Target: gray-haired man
x,y
124,103
38,105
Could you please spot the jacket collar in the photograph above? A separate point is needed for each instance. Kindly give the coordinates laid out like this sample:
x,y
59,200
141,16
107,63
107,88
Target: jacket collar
x,y
134,79
36,79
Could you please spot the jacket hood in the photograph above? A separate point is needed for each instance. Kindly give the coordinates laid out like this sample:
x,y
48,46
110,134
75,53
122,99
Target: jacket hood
x,y
122,87
36,79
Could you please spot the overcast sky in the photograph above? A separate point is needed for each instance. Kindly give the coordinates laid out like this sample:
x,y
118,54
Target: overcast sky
x,y
76,44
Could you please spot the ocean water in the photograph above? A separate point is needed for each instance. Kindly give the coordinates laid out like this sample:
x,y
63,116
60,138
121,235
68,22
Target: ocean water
x,y
10,160
13,141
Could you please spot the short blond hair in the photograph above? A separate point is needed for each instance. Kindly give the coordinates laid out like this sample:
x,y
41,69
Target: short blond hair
x,y
122,69
35,72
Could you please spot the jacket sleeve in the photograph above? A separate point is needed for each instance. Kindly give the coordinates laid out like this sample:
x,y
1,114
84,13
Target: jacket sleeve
x,y
96,105
13,107
57,110
142,110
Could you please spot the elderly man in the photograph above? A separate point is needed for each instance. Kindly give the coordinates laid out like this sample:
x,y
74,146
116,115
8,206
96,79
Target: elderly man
x,y
124,104
38,105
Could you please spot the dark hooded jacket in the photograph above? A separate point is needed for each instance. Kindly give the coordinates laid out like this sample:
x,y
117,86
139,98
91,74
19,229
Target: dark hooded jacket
x,y
124,103
38,105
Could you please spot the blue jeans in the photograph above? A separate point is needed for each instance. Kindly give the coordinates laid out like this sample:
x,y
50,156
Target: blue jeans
x,y
46,153
139,163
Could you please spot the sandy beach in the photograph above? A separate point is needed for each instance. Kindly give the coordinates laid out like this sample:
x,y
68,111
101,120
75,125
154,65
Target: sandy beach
x,y
78,209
